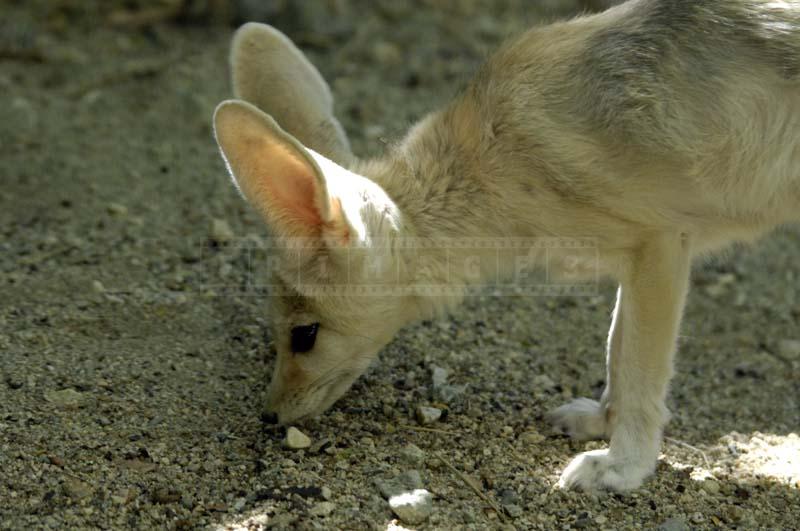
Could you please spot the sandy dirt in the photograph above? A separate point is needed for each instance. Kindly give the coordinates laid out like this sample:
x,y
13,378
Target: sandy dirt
x,y
133,359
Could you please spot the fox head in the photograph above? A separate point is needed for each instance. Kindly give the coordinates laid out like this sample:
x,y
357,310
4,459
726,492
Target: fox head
x,y
335,230
331,231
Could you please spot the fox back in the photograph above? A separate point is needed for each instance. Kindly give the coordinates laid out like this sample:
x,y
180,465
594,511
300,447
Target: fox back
x,y
672,113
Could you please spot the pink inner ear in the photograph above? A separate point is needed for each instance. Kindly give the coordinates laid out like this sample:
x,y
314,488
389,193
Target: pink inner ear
x,y
278,181
287,188
274,175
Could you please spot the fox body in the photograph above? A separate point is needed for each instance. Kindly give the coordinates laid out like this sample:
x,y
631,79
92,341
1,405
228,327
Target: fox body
x,y
660,129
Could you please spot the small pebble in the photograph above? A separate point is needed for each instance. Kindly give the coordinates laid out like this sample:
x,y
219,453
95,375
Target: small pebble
x,y
321,445
296,439
513,510
221,232
187,500
412,453
122,496
282,521
239,504
532,437
67,398
698,518
322,509
165,496
406,482
438,376
386,53
450,394
673,524
412,507
542,382
716,290
710,486
789,348
77,489
117,209
428,415
14,382
508,497
114,299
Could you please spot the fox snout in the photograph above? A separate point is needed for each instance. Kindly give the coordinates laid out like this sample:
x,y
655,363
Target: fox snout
x,y
297,392
287,390
285,404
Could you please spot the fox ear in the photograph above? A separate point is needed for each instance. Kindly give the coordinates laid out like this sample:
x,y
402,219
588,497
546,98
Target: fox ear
x,y
271,73
273,171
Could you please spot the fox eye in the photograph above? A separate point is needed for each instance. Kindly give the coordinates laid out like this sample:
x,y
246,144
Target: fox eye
x,y
303,337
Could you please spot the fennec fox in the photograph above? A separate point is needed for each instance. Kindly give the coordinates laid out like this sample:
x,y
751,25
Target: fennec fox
x,y
660,130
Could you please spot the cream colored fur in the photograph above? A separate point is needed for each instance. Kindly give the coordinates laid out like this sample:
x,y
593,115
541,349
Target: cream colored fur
x,y
660,130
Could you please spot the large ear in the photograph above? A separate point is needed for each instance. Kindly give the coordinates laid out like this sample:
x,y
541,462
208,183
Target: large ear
x,y
271,73
274,172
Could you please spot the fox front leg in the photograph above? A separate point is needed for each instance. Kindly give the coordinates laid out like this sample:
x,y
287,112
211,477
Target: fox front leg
x,y
647,317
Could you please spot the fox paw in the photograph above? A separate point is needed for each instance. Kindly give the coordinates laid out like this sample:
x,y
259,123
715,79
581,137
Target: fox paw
x,y
582,419
595,470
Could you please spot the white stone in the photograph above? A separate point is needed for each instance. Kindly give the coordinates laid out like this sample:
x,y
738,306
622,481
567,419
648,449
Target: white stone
x,y
412,507
296,439
221,232
412,453
117,209
428,415
322,509
790,348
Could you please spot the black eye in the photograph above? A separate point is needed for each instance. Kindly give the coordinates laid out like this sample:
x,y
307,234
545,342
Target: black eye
x,y
303,337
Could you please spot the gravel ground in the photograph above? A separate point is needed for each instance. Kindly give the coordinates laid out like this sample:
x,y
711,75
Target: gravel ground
x,y
133,361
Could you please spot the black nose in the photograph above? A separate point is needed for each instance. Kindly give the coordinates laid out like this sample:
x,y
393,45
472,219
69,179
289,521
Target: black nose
x,y
268,417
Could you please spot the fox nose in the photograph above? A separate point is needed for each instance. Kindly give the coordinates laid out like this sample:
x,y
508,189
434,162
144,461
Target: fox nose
x,y
268,417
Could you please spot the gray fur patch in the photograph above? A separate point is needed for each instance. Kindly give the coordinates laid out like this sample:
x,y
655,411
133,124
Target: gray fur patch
x,y
626,75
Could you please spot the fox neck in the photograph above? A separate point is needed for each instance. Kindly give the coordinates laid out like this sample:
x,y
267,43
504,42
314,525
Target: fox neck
x,y
432,175
434,179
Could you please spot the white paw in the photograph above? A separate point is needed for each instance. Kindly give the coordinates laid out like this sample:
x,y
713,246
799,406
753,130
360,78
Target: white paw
x,y
596,470
582,419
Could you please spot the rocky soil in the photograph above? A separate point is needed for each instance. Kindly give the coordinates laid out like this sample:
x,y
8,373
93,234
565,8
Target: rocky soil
x,y
132,361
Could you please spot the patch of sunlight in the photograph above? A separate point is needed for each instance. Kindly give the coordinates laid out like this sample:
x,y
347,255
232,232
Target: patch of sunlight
x,y
255,521
780,5
773,456
394,525
412,497
755,455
